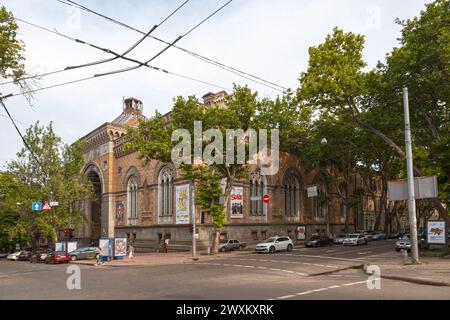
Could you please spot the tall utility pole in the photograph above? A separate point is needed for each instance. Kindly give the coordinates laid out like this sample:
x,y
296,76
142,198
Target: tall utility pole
x,y
194,231
410,172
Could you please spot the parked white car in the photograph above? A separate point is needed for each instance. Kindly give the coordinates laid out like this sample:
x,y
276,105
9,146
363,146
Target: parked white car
x,y
14,256
355,239
274,244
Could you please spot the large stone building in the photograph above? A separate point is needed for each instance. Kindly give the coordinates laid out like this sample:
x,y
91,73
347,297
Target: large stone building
x,y
138,201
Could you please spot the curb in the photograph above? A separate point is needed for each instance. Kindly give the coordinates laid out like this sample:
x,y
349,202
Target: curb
x,y
336,270
411,280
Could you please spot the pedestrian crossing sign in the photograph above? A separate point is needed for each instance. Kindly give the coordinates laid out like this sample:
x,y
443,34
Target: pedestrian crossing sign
x,y
46,206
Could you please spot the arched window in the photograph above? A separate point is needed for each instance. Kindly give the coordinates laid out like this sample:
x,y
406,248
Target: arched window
x,y
258,188
291,186
165,192
320,203
132,200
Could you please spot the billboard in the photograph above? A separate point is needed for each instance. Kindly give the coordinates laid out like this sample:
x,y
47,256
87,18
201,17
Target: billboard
x,y
182,209
436,232
301,233
120,247
237,203
424,188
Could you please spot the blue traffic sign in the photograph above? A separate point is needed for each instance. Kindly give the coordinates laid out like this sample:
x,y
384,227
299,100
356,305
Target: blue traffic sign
x,y
36,206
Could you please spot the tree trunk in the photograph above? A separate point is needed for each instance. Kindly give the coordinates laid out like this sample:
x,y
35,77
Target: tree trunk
x,y
216,239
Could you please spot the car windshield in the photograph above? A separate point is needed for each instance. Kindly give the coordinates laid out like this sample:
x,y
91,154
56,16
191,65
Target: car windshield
x,y
342,236
315,237
223,241
60,253
405,237
270,240
353,235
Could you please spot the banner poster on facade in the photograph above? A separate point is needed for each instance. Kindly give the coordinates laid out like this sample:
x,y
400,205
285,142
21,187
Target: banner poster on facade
x,y
120,247
120,214
60,246
182,209
301,233
237,203
436,232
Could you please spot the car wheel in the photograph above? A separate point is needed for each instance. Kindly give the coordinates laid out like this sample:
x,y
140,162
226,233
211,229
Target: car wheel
x,y
272,249
73,258
289,248
397,249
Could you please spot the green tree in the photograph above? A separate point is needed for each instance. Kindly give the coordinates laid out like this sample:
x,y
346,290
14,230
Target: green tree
x,y
152,140
12,56
51,172
337,83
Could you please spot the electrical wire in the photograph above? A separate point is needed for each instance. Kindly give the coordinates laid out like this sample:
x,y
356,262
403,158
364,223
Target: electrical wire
x,y
223,66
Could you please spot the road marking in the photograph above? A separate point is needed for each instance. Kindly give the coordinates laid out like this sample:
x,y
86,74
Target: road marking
x,y
246,266
320,290
321,257
364,252
286,297
289,262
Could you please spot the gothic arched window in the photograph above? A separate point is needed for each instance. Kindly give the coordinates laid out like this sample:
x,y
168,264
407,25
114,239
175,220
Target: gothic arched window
x,y
258,188
165,192
291,186
132,200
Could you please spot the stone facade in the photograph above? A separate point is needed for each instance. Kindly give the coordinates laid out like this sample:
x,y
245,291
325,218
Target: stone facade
x,y
137,200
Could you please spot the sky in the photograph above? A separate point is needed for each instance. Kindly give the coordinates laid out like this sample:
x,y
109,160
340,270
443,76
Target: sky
x,y
267,38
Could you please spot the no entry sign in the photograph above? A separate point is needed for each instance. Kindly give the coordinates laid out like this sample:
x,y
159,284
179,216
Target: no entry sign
x,y
266,198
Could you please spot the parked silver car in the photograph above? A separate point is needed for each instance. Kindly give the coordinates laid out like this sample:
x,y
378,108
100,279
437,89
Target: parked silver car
x,y
340,239
230,245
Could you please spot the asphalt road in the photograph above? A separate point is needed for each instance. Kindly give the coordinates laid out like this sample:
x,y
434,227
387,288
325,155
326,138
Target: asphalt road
x,y
305,273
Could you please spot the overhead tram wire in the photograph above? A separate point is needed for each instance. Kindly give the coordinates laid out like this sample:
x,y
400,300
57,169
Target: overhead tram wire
x,y
169,45
99,75
134,45
230,69
99,61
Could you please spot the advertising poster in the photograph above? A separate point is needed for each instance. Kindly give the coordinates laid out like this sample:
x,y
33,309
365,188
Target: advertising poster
x,y
120,214
105,247
72,246
301,233
237,203
436,232
182,208
60,246
120,247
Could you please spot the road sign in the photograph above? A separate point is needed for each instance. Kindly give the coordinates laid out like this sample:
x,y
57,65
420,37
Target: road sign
x,y
255,198
46,206
424,187
312,192
266,198
37,206
54,203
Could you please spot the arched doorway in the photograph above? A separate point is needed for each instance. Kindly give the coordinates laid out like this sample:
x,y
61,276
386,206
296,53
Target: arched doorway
x,y
95,206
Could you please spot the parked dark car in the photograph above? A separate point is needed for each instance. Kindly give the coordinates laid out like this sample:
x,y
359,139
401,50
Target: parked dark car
x,y
58,257
3,255
319,241
230,245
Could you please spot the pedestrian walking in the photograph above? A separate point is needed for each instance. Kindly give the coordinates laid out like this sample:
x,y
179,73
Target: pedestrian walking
x,y
99,258
166,245
131,253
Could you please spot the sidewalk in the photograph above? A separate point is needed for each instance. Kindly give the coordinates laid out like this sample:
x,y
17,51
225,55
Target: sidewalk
x,y
155,259
430,271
